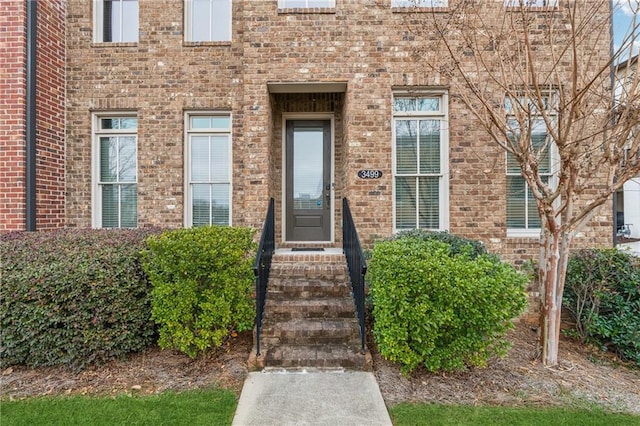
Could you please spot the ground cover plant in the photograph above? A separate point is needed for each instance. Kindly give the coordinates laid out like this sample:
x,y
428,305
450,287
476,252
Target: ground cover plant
x,y
73,297
439,309
202,285
603,298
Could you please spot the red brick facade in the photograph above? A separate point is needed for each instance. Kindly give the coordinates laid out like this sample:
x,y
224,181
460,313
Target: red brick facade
x,y
362,51
50,115
12,125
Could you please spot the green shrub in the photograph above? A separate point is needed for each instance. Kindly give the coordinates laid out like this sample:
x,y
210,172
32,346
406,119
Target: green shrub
x,y
602,294
73,297
441,310
456,243
202,285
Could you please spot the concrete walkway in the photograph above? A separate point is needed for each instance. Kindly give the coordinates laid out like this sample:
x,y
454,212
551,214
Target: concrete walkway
x,y
631,247
311,398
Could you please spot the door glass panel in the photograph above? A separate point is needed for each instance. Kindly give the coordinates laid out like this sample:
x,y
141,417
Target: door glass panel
x,y
307,168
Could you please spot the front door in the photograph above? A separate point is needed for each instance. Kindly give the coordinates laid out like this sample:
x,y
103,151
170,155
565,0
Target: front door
x,y
308,180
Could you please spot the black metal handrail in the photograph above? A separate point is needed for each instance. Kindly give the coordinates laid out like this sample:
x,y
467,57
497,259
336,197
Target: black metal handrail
x,y
262,266
356,264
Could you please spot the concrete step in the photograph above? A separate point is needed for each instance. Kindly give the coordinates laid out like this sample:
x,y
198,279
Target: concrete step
x,y
318,356
337,272
286,309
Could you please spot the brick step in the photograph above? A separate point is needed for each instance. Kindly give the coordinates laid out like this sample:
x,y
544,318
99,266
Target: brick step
x,y
310,308
318,356
321,271
298,288
304,331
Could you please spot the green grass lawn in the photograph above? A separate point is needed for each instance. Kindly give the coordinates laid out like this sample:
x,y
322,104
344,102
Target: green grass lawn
x,y
428,414
205,407
216,407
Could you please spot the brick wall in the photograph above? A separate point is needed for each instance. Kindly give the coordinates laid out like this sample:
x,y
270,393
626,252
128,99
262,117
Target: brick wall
x,y
50,117
12,105
371,47
50,101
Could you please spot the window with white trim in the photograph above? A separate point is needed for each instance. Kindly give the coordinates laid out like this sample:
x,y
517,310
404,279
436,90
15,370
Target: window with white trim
x,y
208,20
419,3
530,3
115,21
523,217
208,147
115,171
305,4
421,162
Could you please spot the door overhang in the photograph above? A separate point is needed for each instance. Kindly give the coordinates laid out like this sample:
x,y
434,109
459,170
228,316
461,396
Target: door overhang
x,y
308,87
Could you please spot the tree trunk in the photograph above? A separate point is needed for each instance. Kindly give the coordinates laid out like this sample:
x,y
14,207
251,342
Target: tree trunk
x,y
554,255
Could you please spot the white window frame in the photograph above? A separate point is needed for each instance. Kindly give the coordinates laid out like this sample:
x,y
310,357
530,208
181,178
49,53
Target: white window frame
x,y
554,166
188,132
188,22
98,24
282,4
443,116
97,185
420,3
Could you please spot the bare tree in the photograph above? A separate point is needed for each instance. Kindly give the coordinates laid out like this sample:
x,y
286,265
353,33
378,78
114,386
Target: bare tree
x,y
538,77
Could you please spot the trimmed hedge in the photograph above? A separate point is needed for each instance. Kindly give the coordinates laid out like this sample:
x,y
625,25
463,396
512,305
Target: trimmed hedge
x,y
457,244
73,297
202,285
602,294
440,306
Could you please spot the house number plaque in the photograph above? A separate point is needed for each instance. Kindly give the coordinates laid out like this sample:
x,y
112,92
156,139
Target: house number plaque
x,y
369,174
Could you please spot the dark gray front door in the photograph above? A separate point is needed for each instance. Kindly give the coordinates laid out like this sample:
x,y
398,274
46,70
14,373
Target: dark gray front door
x,y
308,180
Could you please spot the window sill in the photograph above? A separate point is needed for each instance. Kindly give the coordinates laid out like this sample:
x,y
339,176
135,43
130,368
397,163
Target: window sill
x,y
307,10
523,233
110,44
410,9
206,43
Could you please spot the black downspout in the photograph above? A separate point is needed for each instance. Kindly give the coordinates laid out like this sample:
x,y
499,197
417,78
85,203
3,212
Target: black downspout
x,y
32,8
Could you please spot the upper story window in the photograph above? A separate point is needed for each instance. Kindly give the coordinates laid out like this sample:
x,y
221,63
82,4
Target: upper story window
x,y
531,3
523,218
115,21
208,20
305,4
421,162
419,3
115,176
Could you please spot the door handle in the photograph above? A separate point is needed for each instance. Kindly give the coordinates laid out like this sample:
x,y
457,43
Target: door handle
x,y
327,195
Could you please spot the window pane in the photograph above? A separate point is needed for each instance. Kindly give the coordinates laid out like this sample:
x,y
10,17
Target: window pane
x,y
200,158
405,202
404,104
308,175
220,204
538,139
129,206
430,146
127,159
109,123
108,159
201,20
111,20
221,27
200,122
428,104
200,204
128,123
221,122
429,202
515,202
129,20
406,146
110,204
532,211
219,158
